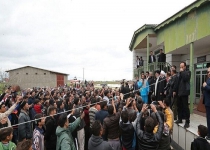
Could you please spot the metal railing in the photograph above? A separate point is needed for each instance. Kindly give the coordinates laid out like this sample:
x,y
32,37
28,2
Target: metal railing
x,y
152,67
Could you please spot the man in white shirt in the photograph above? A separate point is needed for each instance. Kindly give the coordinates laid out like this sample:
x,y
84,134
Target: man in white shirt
x,y
152,58
137,61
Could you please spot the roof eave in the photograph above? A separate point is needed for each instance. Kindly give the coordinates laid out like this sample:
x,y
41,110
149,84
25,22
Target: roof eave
x,y
145,26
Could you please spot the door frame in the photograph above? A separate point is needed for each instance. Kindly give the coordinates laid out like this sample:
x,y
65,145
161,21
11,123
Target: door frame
x,y
201,75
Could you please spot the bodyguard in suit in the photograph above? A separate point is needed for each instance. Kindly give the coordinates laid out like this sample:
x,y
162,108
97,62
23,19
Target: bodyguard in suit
x,y
183,94
206,100
159,87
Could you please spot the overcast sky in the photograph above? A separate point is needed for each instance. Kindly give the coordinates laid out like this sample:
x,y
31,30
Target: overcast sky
x,y
69,35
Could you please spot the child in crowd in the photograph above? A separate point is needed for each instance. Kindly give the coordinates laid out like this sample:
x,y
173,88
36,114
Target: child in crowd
x,y
38,135
24,145
5,138
201,143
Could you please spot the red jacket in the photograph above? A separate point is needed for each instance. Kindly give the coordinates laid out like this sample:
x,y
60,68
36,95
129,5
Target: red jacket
x,y
38,108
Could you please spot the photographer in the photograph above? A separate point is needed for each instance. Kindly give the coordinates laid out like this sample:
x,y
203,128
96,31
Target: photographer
x,y
146,139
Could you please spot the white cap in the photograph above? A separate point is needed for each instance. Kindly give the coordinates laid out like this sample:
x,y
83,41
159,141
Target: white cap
x,y
162,72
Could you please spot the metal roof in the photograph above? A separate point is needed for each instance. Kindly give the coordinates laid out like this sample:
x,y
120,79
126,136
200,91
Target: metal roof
x,y
37,68
182,12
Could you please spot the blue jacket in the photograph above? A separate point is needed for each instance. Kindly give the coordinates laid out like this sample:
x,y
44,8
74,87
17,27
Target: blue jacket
x,y
206,93
100,115
143,90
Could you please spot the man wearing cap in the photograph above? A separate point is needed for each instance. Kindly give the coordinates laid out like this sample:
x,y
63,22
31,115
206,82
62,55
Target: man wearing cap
x,y
163,78
24,130
159,88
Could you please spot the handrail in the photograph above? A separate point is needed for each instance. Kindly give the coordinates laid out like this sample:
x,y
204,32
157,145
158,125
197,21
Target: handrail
x,y
165,66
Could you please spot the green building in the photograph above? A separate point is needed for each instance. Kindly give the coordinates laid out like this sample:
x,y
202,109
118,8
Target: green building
x,y
185,36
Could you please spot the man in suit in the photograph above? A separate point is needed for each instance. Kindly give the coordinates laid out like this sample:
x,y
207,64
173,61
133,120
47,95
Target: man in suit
x,y
206,100
151,59
158,88
162,58
183,94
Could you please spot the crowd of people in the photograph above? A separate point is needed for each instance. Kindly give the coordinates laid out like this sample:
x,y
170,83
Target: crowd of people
x,y
135,116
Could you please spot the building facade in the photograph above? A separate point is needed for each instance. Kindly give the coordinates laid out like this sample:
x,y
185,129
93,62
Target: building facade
x,y
184,37
28,77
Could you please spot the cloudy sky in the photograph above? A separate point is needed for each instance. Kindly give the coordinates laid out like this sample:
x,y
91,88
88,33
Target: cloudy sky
x,y
69,35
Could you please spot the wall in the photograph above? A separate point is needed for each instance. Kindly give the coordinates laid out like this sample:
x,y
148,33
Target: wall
x,y
187,29
65,79
35,78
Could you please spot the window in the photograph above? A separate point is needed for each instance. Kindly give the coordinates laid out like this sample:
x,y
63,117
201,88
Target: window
x,y
44,73
26,73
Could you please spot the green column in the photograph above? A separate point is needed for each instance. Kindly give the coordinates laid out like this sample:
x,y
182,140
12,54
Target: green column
x,y
192,87
147,52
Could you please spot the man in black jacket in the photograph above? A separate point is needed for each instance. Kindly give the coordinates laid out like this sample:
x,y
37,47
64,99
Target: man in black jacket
x,y
162,59
127,131
147,139
51,126
183,93
173,88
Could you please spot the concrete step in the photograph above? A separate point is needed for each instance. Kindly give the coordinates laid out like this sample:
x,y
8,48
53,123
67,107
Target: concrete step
x,y
183,137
